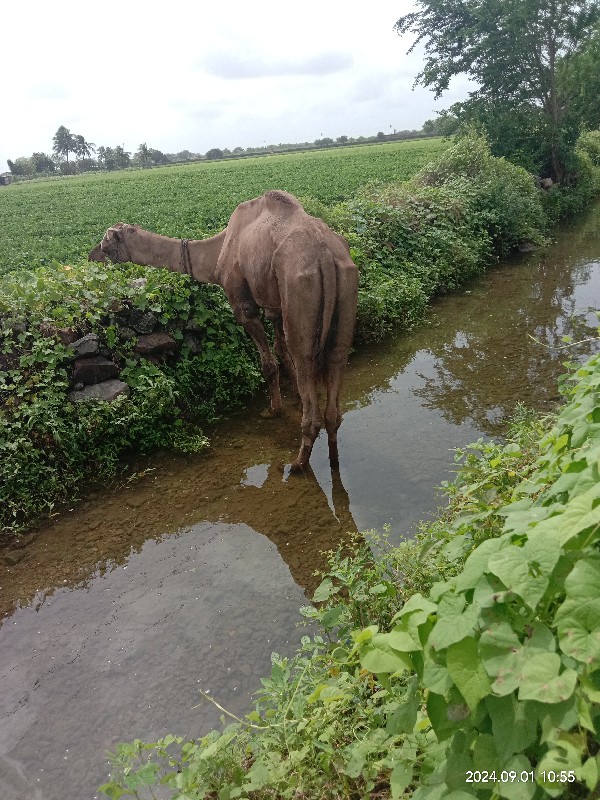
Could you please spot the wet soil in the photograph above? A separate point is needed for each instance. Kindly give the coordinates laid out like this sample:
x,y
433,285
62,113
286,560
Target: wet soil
x,y
190,575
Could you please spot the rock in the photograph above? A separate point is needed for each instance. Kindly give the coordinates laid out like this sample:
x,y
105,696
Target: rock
x,y
155,344
192,343
546,183
88,345
138,283
107,390
65,335
142,321
116,307
193,326
13,557
19,327
127,334
527,247
94,369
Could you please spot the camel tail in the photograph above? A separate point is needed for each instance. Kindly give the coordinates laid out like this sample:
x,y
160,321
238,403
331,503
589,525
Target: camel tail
x,y
329,290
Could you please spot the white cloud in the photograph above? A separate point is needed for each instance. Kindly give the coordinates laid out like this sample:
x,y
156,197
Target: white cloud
x,y
196,76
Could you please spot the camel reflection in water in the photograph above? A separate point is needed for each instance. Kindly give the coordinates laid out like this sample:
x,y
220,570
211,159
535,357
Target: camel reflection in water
x,y
297,517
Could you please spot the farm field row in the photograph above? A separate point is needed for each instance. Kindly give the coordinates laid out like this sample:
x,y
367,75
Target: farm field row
x,y
63,218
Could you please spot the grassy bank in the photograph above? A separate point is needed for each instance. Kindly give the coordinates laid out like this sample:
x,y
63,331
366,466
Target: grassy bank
x,y
462,664
411,240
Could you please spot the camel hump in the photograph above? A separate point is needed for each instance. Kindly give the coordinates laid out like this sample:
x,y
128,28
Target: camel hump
x,y
282,200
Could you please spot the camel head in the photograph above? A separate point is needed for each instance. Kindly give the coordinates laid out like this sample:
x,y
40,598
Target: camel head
x,y
114,244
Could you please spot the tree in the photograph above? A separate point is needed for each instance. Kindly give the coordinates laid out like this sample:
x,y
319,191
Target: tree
x,y
214,153
82,148
157,156
143,155
63,142
21,166
518,53
122,158
583,83
42,163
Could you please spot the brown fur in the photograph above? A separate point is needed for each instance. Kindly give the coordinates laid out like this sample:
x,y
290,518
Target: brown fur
x,y
272,256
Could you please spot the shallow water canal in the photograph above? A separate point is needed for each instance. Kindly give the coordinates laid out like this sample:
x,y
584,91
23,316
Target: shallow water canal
x,y
189,576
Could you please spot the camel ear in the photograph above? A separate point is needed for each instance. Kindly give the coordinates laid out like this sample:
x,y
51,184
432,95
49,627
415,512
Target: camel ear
x,y
113,234
96,254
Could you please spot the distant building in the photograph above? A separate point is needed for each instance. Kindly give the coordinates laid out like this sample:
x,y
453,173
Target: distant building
x,y
5,178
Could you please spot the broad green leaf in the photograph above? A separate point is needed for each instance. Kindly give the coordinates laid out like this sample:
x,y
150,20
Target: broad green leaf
x,y
517,789
589,773
476,564
416,603
436,678
404,718
578,618
400,639
578,626
447,716
542,681
324,591
467,671
365,635
400,778
513,727
526,570
485,756
454,622
378,656
580,514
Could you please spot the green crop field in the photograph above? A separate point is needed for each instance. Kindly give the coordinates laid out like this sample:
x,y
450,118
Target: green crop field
x,y
63,218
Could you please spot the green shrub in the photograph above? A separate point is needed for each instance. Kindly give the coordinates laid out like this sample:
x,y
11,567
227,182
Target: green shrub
x,y
435,232
589,143
49,445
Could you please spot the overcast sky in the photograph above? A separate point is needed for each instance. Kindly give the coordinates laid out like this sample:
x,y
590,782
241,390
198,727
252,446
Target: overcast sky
x,y
196,75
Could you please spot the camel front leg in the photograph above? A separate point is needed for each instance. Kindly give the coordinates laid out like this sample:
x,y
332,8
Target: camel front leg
x,y
268,363
283,352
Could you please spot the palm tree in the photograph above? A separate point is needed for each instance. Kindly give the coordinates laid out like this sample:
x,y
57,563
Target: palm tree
x,y
64,142
83,148
143,155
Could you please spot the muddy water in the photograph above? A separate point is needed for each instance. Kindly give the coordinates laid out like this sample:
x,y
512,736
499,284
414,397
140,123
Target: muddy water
x,y
190,575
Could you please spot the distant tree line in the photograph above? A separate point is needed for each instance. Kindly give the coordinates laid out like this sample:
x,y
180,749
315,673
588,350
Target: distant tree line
x,y
73,154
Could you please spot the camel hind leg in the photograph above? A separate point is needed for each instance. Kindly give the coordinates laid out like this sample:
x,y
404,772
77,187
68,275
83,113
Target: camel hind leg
x,y
312,420
337,356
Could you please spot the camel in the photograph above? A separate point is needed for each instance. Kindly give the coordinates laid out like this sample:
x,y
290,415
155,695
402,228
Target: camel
x,y
275,257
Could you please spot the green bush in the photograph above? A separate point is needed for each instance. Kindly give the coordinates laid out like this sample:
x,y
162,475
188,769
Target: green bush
x,y
565,201
435,232
589,143
48,445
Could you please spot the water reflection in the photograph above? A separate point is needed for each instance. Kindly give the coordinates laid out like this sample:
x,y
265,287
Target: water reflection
x,y
509,346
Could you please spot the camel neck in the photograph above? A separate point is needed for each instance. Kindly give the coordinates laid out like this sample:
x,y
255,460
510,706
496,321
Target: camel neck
x,y
204,254
196,256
